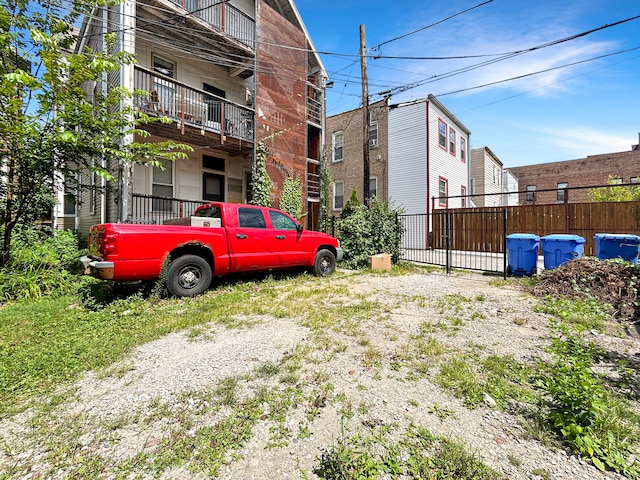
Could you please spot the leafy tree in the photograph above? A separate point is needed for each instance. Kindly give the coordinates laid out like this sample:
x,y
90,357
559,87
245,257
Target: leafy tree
x,y
370,230
291,198
351,206
261,182
50,129
614,193
325,194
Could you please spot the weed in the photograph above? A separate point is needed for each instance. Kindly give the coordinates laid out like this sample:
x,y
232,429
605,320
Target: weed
x,y
582,313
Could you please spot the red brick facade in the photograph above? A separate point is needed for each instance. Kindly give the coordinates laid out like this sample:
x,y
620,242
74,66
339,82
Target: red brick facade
x,y
584,172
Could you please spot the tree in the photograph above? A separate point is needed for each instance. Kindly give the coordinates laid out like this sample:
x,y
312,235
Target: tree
x,y
614,193
291,198
260,180
325,194
49,127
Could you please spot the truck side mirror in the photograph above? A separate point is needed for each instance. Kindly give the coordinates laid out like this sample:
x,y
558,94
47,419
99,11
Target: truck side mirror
x,y
299,227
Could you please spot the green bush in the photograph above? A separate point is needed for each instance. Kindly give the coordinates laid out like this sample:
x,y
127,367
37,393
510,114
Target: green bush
x,y
42,263
367,231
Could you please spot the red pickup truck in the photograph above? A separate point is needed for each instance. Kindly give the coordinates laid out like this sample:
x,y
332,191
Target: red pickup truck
x,y
219,239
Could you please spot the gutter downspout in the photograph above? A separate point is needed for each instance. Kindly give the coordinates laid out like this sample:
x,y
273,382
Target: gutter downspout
x,y
428,160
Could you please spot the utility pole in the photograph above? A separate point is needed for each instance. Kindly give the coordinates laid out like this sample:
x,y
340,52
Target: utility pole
x,y
365,115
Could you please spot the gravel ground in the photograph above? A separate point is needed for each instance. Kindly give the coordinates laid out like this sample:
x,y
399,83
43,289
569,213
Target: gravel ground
x,y
115,416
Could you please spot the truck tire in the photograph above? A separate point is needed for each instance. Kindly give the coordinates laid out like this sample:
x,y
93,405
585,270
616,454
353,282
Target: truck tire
x,y
188,276
325,263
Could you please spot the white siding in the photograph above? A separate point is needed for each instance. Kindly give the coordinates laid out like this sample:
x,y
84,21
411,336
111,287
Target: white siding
x,y
408,158
444,164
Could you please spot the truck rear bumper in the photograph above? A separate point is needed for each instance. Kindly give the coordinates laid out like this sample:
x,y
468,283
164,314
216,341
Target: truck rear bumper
x,y
97,268
339,254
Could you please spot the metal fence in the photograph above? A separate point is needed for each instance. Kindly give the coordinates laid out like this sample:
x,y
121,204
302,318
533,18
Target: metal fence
x,y
468,239
151,209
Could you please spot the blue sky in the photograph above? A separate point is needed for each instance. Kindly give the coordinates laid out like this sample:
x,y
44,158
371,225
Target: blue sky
x,y
589,108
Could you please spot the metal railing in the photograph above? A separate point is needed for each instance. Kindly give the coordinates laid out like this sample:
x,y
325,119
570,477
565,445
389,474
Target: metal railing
x,y
224,17
153,209
448,238
191,106
313,185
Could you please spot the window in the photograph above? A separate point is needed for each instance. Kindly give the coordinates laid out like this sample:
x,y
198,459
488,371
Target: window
x,y
338,195
463,149
616,180
213,163
463,193
70,203
473,186
373,187
531,194
280,221
162,186
337,146
443,188
213,187
561,195
373,134
634,180
163,90
442,134
251,218
452,141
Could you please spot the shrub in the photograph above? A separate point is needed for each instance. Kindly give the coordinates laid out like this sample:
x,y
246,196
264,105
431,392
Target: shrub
x,y
42,263
367,231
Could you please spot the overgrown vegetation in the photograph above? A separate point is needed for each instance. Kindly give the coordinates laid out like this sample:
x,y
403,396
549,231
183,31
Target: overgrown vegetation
x,y
369,230
615,192
291,197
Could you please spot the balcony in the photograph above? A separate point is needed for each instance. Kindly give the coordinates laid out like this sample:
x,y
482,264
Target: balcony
x,y
314,103
313,180
209,25
158,95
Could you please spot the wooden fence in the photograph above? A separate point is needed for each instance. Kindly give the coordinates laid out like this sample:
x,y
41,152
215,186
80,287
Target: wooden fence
x,y
482,230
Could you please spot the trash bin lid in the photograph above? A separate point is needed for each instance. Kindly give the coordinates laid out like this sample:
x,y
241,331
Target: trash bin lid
x,y
617,237
524,236
564,238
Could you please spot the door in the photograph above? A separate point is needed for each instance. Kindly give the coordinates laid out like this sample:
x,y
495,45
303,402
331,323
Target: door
x,y
251,242
289,246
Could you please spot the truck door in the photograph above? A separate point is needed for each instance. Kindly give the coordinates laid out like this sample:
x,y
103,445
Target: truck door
x,y
289,245
250,242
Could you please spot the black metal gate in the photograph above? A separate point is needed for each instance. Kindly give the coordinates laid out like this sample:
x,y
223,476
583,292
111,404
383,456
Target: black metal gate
x,y
472,239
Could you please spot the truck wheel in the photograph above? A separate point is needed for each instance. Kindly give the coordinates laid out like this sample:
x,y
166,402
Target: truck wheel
x,y
325,263
188,276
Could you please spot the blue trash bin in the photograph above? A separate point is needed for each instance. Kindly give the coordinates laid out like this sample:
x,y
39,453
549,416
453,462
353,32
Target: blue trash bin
x,y
559,249
610,245
522,253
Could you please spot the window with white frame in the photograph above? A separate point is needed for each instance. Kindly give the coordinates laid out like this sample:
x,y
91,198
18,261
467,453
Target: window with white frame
x,y
452,141
443,190
337,147
338,195
616,180
373,134
70,196
562,192
634,180
463,149
162,186
442,134
373,187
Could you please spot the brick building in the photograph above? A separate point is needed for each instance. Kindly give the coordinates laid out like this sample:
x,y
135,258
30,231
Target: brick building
x,y
345,157
584,172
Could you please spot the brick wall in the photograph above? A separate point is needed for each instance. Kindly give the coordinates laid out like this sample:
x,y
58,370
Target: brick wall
x,y
351,169
593,170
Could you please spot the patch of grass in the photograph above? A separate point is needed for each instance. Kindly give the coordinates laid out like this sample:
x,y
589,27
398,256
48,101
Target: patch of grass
x,y
417,454
584,414
582,313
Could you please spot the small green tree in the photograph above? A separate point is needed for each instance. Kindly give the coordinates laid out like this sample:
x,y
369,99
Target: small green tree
x,y
370,230
291,198
50,129
325,194
261,182
614,193
351,206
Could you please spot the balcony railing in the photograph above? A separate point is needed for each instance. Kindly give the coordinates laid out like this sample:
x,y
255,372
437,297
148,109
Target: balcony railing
x,y
189,106
224,17
152,209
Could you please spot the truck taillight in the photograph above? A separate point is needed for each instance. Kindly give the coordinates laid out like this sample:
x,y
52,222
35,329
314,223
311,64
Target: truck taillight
x,y
109,243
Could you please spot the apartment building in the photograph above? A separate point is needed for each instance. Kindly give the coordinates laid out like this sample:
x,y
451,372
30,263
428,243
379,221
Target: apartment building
x,y
226,75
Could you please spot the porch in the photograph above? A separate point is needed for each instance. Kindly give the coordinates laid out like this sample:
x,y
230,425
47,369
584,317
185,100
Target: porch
x,y
189,107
